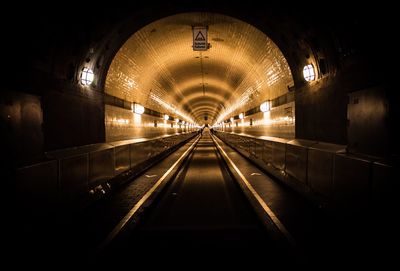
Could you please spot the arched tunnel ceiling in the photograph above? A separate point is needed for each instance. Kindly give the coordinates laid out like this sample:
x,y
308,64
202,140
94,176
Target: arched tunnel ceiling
x,y
158,68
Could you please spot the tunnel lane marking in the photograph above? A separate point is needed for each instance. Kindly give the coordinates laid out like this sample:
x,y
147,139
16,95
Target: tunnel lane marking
x,y
263,204
136,207
150,176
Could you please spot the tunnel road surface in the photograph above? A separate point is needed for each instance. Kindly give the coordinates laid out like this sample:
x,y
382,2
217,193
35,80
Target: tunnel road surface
x,y
202,210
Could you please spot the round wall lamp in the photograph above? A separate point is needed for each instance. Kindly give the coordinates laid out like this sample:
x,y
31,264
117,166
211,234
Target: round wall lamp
x,y
309,72
87,76
138,108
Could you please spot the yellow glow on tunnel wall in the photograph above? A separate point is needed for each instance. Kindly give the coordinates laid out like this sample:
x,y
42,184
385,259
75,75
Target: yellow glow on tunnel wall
x,y
137,119
267,118
157,68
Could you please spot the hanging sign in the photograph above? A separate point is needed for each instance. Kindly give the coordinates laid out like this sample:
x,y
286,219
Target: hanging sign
x,y
200,42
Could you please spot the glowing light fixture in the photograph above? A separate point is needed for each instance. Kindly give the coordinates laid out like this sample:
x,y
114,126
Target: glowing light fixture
x,y
177,120
231,119
87,76
166,117
264,107
138,109
241,116
308,72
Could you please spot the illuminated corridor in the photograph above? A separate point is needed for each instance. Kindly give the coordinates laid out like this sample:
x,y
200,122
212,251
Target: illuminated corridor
x,y
168,126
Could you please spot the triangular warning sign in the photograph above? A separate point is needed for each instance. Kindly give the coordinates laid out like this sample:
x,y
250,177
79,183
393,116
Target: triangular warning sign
x,y
200,37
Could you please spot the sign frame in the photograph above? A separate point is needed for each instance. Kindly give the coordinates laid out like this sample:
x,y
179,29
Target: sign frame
x,y
200,38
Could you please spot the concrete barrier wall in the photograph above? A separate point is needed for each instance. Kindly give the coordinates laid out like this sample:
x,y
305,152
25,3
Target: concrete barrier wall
x,y
351,180
73,174
37,188
323,172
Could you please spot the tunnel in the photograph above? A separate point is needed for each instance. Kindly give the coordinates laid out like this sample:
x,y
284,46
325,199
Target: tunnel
x,y
257,129
157,68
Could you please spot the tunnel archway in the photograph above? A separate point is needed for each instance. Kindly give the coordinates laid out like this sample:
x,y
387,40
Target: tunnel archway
x,y
56,47
45,108
157,68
